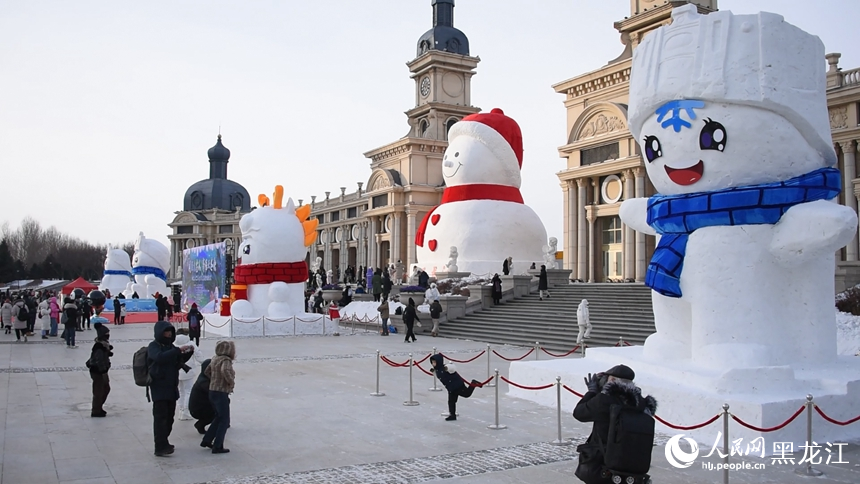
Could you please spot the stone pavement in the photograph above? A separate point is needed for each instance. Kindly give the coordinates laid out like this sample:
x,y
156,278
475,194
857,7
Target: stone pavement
x,y
302,413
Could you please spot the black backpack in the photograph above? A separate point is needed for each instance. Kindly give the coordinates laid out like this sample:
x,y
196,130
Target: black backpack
x,y
631,440
23,314
140,366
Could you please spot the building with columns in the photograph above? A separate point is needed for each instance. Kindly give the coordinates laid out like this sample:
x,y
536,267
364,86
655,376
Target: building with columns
x,y
604,166
377,227
210,213
843,99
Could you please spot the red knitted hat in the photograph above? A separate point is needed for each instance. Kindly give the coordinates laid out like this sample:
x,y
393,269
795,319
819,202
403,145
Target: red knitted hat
x,y
505,127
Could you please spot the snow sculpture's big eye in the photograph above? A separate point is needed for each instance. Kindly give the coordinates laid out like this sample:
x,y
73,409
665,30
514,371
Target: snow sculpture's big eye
x,y
246,250
653,150
713,136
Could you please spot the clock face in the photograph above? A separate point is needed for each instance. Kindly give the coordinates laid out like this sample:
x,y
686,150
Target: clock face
x,y
425,86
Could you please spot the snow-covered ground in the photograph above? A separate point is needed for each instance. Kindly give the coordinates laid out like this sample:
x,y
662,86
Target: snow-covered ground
x,y
847,334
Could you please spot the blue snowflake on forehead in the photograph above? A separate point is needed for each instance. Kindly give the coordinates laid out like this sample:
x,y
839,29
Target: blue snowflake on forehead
x,y
675,107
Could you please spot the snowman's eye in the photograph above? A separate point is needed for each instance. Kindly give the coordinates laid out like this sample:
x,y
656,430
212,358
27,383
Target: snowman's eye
x,y
713,136
246,250
456,154
653,150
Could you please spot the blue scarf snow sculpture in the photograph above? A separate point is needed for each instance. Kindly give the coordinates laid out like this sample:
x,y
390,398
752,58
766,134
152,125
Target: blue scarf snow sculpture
x,y
155,271
675,217
111,272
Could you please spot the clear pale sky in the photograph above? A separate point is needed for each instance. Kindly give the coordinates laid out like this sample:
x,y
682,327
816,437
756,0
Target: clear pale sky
x,y
107,108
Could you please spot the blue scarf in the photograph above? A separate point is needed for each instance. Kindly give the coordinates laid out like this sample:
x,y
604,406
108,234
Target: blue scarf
x,y
675,217
145,270
109,272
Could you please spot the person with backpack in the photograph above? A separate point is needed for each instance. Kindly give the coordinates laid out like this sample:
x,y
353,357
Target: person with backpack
x,y
164,361
20,316
198,403
453,382
222,380
195,320
99,365
622,436
435,314
70,321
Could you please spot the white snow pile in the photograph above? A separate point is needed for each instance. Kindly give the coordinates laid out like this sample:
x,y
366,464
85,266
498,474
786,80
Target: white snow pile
x,y
847,334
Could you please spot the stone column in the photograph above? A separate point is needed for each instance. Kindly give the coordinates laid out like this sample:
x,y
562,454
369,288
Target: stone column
x,y
629,233
581,234
849,172
570,238
410,238
396,238
591,247
641,263
377,262
371,243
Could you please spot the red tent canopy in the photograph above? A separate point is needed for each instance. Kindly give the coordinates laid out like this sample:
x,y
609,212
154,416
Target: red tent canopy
x,y
79,283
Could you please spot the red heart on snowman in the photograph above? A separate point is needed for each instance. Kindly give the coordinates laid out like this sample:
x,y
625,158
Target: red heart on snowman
x,y
435,219
432,244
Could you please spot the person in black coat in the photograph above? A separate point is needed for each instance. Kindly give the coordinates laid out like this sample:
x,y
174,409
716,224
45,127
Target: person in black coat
x,y
161,306
116,310
423,279
195,322
99,365
410,315
612,387
543,283
165,362
198,402
497,289
453,382
386,285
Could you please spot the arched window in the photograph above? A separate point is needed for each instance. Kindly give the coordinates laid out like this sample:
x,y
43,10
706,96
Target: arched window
x,y
423,128
450,124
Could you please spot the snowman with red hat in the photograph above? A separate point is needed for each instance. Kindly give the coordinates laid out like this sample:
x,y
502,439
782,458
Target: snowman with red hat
x,y
482,211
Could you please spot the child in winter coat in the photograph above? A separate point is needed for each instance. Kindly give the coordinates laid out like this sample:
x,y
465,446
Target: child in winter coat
x,y
189,375
122,314
44,315
453,382
20,314
99,365
222,378
6,315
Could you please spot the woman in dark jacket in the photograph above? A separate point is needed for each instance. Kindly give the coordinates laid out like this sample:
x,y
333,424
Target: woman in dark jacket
x,y
386,284
497,290
409,318
376,284
453,382
198,402
195,321
543,284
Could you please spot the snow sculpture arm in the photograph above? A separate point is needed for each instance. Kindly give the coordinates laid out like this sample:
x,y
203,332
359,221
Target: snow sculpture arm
x,y
812,230
634,212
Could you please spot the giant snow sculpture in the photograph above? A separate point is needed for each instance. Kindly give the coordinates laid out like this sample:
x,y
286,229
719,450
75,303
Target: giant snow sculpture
x,y
272,259
117,274
731,116
482,211
149,267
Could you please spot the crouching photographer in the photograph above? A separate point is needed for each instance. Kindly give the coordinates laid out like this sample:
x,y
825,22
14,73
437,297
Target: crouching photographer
x,y
619,447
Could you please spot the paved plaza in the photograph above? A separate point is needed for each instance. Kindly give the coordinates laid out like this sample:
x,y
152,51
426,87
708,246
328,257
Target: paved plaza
x,y
302,413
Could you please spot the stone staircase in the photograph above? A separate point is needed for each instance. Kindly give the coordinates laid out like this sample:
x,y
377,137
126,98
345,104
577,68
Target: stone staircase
x,y
617,310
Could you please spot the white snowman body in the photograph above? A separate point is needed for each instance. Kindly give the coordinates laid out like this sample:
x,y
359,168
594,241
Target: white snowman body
x,y
484,231
273,235
116,260
148,253
752,295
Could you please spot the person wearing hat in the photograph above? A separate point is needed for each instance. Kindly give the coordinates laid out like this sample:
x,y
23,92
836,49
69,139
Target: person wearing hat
x,y
613,387
99,365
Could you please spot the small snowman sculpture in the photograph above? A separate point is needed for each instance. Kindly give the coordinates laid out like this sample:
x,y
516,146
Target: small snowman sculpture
x,y
482,211
149,267
117,273
272,258
731,116
451,266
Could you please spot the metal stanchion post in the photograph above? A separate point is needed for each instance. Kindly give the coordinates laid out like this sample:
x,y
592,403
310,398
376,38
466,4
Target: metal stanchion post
x,y
726,443
377,393
410,402
489,355
559,441
294,325
433,376
497,426
537,350
621,341
808,470
582,349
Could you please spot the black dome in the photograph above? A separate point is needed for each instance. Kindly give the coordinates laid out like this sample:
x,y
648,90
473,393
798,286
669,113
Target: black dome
x,y
219,151
443,36
216,193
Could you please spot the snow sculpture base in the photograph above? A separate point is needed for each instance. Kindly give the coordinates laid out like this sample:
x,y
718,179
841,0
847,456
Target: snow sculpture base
x,y
452,275
302,324
687,394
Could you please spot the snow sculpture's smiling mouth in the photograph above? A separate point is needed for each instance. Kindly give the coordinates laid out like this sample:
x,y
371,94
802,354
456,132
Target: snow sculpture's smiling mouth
x,y
459,165
686,176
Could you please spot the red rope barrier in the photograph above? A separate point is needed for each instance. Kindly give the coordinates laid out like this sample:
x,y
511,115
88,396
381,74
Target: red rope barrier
x,y
422,369
544,387
561,356
468,382
391,363
513,359
422,360
627,344
690,427
770,429
617,344
833,420
571,390
464,361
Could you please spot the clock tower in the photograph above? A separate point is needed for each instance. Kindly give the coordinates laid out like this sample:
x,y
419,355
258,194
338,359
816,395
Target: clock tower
x,y
406,179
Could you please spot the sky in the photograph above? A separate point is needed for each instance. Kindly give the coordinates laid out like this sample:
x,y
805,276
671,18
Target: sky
x,y
107,109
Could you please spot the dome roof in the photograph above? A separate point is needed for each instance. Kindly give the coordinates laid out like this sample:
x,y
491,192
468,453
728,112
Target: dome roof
x,y
219,151
443,36
216,193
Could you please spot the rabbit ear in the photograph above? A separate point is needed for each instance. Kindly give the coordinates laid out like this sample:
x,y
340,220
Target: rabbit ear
x,y
263,200
290,205
279,196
